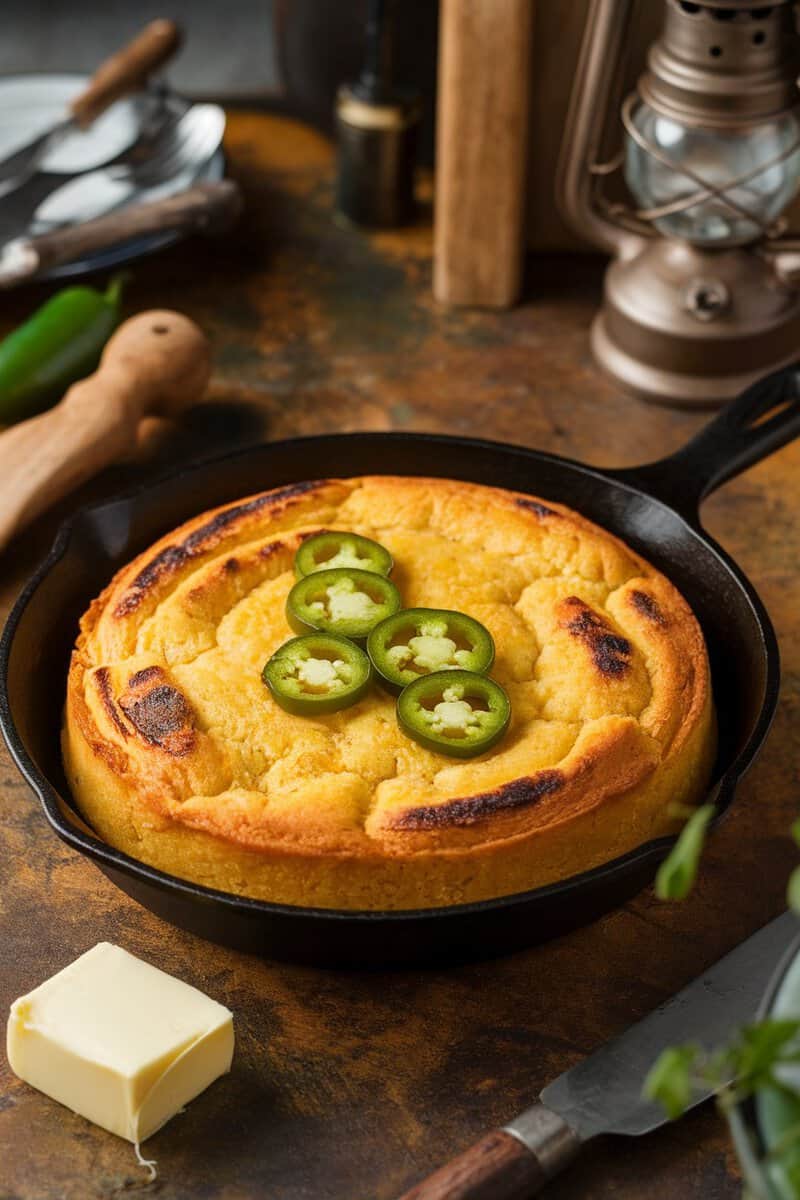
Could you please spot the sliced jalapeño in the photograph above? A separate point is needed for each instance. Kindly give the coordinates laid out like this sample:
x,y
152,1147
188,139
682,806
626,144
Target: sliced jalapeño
x,y
419,641
343,601
338,548
317,674
458,713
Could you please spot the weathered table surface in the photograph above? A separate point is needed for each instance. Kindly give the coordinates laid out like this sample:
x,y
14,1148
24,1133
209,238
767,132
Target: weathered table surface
x,y
347,1085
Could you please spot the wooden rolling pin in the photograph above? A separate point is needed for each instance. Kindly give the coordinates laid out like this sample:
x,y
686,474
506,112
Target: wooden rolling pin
x,y
481,150
155,364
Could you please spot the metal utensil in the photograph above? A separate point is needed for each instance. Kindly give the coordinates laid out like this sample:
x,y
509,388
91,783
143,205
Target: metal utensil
x,y
181,144
208,207
193,138
123,72
603,1094
157,123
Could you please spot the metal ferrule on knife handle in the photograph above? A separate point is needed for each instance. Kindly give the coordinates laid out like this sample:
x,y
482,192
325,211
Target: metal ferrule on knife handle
x,y
513,1163
549,1138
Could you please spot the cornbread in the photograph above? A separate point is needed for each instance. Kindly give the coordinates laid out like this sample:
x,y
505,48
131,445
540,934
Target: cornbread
x,y
177,754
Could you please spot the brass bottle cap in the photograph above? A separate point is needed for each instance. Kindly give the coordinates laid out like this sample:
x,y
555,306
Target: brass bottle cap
x,y
376,159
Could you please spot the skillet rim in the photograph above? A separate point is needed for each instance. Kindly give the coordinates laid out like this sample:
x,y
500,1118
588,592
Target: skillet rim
x,y
721,792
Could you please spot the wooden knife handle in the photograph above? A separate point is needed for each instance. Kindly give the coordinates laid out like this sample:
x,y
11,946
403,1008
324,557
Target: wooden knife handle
x,y
498,1167
505,1165
205,208
156,362
126,70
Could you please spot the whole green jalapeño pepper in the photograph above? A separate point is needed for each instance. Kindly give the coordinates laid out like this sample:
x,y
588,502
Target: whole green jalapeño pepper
x,y
338,548
454,712
419,641
61,343
343,601
318,674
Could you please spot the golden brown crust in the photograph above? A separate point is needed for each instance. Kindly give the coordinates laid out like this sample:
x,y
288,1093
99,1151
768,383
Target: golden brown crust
x,y
177,754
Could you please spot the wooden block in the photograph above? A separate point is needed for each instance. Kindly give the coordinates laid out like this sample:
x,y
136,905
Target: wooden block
x,y
482,125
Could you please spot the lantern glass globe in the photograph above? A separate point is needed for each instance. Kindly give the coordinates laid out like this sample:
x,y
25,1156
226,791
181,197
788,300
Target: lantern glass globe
x,y
719,157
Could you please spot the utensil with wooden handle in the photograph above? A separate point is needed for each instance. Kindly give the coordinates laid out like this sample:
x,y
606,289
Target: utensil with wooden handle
x,y
122,73
206,208
126,70
155,363
603,1094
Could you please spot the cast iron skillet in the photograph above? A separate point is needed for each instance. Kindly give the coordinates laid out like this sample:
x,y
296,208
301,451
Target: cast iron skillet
x,y
654,508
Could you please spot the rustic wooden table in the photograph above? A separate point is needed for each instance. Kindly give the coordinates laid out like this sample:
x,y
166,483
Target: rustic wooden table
x,y
348,1085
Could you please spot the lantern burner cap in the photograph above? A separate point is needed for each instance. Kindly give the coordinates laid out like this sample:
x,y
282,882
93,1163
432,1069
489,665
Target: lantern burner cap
x,y
724,63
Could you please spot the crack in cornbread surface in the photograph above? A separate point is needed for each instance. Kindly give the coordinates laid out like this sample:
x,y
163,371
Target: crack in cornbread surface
x,y
177,754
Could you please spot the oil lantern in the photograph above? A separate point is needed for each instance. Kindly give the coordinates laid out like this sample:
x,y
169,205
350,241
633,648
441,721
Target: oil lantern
x,y
703,293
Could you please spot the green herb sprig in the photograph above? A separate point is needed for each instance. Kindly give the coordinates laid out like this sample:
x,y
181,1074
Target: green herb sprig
x,y
750,1065
678,872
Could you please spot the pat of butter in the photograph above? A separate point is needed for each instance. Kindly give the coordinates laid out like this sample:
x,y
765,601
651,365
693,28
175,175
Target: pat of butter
x,y
119,1041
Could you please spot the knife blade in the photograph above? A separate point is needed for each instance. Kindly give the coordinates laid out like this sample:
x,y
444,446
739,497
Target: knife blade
x,y
603,1093
18,167
595,1097
123,72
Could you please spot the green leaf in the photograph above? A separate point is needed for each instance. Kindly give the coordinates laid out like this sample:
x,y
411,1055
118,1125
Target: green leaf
x,y
760,1048
669,1080
793,890
785,1174
779,1121
677,873
796,831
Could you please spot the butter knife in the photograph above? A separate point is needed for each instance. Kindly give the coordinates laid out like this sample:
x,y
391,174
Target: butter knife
x,y
603,1094
204,208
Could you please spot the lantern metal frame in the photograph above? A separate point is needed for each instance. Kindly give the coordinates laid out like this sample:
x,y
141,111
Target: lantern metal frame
x,y
685,323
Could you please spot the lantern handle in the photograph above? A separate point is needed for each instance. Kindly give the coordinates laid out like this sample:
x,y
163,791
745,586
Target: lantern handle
x,y
597,71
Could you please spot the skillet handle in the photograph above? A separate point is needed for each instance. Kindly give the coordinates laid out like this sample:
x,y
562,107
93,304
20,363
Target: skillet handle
x,y
757,423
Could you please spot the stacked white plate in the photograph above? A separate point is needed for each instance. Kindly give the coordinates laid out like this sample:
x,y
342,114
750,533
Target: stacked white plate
x,y
29,105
